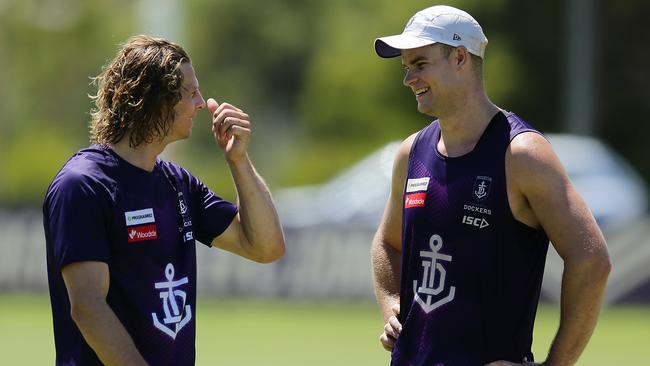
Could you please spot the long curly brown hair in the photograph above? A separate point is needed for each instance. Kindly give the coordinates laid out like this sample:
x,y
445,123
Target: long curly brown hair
x,y
137,92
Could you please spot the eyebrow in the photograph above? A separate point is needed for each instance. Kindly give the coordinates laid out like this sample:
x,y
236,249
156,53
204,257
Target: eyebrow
x,y
415,60
191,88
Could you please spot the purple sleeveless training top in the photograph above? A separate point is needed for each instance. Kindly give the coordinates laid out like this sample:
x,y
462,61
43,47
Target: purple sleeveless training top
x,y
471,273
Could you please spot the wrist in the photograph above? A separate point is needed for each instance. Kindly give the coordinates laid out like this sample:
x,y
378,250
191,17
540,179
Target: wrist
x,y
238,162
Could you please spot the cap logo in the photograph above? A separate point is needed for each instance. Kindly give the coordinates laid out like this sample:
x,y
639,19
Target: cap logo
x,y
456,37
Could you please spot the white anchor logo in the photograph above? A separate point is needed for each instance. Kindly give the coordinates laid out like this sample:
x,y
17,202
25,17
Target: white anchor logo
x,y
432,266
176,315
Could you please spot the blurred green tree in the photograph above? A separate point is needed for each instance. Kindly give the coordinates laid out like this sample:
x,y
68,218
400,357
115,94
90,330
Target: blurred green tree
x,y
305,70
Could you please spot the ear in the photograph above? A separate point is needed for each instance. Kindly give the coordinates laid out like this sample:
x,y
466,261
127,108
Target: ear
x,y
461,57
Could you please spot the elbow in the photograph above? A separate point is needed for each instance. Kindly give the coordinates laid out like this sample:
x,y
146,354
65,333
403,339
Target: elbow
x,y
604,266
80,311
592,266
599,265
276,251
275,255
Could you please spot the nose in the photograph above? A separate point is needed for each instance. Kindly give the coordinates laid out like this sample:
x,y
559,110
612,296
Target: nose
x,y
409,78
201,101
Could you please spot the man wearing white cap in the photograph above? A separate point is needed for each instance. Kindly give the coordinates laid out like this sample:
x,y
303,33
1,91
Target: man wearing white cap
x,y
476,196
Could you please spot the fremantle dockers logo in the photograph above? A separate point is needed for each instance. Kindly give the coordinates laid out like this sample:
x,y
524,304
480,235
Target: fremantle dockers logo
x,y
182,207
428,295
177,313
482,186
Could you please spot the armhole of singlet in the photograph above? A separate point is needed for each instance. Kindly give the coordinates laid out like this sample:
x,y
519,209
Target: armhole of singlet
x,y
524,131
512,214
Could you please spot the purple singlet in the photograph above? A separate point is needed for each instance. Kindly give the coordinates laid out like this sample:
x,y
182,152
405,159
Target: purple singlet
x,y
471,273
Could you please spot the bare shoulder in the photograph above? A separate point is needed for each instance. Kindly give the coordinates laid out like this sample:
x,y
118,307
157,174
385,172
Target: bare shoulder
x,y
402,156
531,161
536,180
405,146
400,165
390,227
545,197
542,195
531,146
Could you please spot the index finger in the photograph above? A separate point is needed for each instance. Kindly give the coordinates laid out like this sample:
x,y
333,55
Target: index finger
x,y
228,117
225,106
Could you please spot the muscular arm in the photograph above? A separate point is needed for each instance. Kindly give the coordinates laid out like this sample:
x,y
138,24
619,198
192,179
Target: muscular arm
x,y
386,249
87,284
255,232
542,195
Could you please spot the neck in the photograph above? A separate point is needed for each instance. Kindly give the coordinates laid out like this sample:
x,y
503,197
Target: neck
x,y
144,156
462,128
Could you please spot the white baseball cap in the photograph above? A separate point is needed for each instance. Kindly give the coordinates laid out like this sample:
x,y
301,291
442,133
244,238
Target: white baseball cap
x,y
440,23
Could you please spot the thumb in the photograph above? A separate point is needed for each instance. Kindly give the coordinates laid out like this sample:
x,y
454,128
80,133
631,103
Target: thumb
x,y
212,105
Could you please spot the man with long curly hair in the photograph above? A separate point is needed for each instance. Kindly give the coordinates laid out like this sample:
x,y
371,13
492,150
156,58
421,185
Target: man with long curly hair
x,y
121,224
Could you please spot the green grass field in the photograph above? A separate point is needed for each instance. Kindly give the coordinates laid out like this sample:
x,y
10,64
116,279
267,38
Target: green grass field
x,y
307,333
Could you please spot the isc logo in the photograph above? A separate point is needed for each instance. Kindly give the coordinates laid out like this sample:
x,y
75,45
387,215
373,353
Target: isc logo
x,y
479,222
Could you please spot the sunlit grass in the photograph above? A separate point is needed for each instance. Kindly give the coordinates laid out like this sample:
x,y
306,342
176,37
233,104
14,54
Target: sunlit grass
x,y
288,333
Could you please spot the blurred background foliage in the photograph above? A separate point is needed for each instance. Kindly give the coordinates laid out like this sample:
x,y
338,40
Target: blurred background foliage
x,y
306,72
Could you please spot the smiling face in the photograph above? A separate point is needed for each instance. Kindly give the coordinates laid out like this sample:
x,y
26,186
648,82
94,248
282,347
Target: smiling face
x,y
186,109
432,77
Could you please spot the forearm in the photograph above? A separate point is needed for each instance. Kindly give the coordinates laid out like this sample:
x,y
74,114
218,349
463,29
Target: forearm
x,y
583,286
259,219
106,335
386,266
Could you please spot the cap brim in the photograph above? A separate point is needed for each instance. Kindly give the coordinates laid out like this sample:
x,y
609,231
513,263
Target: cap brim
x,y
392,46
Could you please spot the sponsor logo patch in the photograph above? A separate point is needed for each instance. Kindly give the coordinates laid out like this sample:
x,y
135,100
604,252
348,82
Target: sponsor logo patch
x,y
415,200
417,184
139,217
141,233
478,222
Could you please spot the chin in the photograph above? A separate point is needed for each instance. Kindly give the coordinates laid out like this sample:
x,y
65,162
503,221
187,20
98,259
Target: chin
x,y
424,110
185,134
181,136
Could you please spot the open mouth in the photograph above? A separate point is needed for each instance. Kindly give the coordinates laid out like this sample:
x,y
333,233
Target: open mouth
x,y
420,91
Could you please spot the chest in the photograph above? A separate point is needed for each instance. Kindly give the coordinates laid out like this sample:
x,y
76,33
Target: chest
x,y
469,194
147,220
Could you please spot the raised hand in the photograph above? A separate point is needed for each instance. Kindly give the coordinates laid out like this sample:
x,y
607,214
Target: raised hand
x,y
231,128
